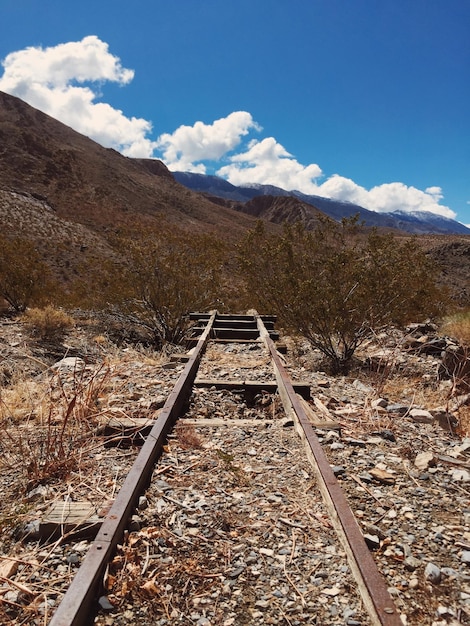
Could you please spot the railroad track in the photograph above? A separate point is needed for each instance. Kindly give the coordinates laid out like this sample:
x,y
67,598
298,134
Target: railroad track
x,y
210,540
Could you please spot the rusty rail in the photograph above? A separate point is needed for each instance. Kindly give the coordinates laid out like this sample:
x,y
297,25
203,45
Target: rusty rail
x,y
76,608
372,586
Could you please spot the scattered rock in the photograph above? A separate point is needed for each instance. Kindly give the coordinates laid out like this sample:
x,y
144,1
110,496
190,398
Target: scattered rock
x,y
465,557
424,460
432,573
421,416
70,364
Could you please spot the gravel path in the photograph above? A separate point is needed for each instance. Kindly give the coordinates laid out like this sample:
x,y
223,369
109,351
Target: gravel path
x,y
233,529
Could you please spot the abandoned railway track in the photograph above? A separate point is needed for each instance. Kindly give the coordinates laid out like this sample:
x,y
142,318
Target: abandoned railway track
x,y
194,536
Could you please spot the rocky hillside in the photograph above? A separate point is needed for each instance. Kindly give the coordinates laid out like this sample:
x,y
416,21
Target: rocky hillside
x,y
279,210
83,182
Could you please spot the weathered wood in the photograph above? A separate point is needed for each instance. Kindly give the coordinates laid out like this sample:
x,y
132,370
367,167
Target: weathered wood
x,y
192,341
127,423
79,518
218,421
180,357
323,420
255,386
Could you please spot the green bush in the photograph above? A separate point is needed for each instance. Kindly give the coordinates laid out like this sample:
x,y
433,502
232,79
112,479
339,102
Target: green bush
x,y
336,284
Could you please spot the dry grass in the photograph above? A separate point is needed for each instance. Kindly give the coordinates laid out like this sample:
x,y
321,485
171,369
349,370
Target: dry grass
x,y
187,436
48,323
458,326
44,429
464,421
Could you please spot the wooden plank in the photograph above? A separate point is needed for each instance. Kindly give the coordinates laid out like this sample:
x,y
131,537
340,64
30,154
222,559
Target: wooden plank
x,y
254,386
78,518
218,421
123,423
180,357
192,341
323,420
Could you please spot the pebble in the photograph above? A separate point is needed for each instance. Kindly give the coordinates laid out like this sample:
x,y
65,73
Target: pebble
x,y
432,573
465,557
105,604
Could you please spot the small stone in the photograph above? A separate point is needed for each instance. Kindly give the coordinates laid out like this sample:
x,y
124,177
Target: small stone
x,y
382,475
460,476
386,434
266,551
424,460
41,492
336,445
105,604
70,364
411,563
361,387
372,541
401,409
331,591
262,604
355,442
73,558
449,572
465,557
379,403
143,503
236,572
32,529
421,416
444,611
432,573
338,470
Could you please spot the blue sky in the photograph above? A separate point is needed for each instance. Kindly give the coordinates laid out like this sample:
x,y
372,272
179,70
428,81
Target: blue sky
x,y
363,100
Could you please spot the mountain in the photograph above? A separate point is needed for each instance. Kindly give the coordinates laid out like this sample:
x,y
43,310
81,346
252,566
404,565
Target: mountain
x,y
418,222
99,188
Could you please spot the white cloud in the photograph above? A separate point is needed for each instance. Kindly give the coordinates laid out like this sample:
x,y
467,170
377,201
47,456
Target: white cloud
x,y
189,145
268,162
386,197
52,80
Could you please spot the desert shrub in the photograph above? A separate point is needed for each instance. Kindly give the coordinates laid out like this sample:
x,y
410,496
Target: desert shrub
x,y
99,283
336,284
48,323
169,274
24,277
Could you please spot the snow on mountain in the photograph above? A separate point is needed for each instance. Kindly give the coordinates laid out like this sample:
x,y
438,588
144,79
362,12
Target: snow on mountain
x,y
417,222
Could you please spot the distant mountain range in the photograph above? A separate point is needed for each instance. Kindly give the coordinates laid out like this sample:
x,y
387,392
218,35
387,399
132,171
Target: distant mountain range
x,y
239,198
